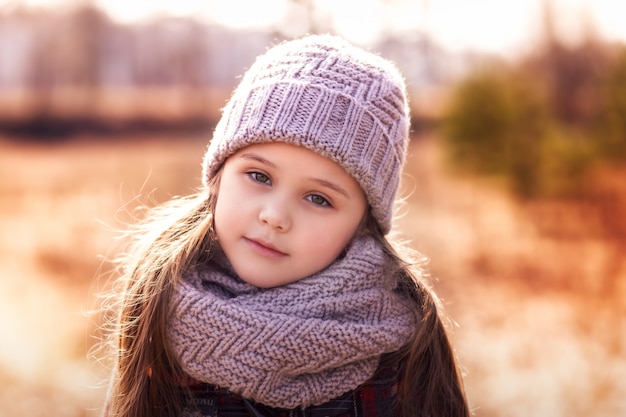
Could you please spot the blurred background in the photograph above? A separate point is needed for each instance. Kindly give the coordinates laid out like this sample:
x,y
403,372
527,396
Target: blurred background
x,y
515,186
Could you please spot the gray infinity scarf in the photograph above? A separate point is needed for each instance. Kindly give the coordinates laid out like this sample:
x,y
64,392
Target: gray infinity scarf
x,y
301,344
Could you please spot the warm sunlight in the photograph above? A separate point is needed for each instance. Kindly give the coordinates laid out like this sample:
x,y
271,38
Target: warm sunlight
x,y
481,25
488,25
234,13
610,18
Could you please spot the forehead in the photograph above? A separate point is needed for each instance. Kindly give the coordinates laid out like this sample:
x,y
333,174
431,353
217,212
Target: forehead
x,y
275,152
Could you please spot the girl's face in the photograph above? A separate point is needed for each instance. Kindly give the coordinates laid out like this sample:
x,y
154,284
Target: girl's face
x,y
284,212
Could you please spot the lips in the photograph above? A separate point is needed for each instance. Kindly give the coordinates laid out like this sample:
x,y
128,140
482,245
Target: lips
x,y
265,248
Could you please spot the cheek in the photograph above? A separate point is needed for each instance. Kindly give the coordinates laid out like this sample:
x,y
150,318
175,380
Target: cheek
x,y
329,245
218,214
227,208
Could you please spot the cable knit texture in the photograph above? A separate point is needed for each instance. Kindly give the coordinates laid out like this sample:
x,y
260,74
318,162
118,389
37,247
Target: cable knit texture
x,y
292,346
335,99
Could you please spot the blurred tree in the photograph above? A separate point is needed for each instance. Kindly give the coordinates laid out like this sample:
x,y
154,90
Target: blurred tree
x,y
545,121
496,124
571,73
68,49
612,127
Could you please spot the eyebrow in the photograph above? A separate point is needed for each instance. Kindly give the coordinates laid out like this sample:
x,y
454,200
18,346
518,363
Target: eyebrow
x,y
331,185
258,158
324,183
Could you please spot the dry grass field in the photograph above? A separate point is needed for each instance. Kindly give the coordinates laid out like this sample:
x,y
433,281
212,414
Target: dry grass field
x,y
536,292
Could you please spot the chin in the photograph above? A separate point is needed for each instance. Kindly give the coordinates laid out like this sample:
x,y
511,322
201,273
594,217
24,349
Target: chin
x,y
261,282
258,283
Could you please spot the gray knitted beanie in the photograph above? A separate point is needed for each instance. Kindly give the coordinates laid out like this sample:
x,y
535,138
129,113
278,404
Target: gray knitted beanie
x,y
328,96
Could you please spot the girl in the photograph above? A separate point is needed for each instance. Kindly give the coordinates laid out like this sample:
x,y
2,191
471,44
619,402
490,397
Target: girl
x,y
274,291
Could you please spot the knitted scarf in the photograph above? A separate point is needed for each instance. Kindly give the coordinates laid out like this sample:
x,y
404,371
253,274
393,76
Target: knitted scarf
x,y
297,345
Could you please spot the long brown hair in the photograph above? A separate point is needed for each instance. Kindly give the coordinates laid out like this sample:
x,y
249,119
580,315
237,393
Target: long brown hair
x,y
177,237
430,382
174,238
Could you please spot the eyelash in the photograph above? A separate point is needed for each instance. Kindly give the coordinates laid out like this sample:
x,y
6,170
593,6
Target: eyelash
x,y
324,204
254,175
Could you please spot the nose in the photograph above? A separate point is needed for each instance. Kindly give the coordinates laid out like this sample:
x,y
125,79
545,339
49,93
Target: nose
x,y
275,214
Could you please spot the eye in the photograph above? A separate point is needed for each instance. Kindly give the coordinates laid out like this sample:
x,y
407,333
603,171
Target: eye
x,y
318,200
259,177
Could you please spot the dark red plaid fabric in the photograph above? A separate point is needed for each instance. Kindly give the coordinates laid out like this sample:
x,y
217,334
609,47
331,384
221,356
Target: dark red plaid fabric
x,y
375,398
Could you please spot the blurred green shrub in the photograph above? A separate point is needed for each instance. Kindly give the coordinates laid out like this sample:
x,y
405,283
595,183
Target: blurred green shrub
x,y
496,125
612,128
503,122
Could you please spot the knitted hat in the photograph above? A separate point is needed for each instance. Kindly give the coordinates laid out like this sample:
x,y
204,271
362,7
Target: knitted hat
x,y
328,96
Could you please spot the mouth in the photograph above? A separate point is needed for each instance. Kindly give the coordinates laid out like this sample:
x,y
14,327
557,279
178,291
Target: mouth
x,y
265,248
